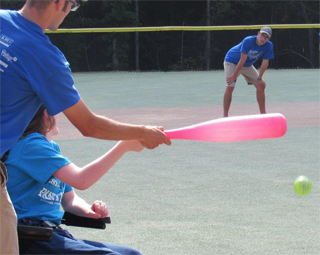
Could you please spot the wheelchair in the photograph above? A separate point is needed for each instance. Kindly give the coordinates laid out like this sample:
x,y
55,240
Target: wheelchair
x,y
28,234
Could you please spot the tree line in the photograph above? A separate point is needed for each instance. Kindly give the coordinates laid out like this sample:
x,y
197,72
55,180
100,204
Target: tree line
x,y
122,13
178,50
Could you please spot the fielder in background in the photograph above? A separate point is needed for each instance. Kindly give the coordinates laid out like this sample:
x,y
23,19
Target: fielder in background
x,y
240,60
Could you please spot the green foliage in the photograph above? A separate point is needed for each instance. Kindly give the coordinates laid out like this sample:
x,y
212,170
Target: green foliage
x,y
188,13
186,64
120,15
177,50
11,5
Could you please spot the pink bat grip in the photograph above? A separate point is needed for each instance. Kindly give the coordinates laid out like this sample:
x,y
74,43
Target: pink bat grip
x,y
234,129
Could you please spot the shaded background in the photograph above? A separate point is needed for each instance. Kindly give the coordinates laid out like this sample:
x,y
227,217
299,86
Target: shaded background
x,y
183,50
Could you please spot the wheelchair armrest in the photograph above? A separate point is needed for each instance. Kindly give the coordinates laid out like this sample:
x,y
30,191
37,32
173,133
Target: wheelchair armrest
x,y
70,219
35,233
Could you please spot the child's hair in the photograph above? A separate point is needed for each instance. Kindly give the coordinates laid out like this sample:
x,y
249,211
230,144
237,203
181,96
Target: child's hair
x,y
37,125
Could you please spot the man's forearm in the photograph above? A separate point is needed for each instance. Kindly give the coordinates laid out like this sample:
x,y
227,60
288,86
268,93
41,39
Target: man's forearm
x,y
92,125
103,128
263,68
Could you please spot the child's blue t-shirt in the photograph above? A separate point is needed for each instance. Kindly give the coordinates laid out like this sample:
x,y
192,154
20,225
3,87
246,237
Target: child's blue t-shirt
x,y
33,72
34,191
250,48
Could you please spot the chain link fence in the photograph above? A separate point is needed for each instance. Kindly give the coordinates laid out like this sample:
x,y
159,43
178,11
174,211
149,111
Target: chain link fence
x,y
180,50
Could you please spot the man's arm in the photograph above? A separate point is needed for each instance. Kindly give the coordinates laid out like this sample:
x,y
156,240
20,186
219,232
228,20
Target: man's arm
x,y
92,125
263,68
240,64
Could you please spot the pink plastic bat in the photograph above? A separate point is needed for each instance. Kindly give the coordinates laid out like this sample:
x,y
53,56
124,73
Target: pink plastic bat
x,y
234,129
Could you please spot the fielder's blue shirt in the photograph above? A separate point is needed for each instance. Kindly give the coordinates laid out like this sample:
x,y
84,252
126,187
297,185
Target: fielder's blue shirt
x,y
249,47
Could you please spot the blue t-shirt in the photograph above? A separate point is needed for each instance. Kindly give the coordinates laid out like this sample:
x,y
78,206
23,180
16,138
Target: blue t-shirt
x,y
250,48
33,72
34,191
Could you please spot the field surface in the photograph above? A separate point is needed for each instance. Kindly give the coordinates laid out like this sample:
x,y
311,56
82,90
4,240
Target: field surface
x,y
199,197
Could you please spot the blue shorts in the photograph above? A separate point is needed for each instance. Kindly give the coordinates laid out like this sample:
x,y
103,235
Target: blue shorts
x,y
64,243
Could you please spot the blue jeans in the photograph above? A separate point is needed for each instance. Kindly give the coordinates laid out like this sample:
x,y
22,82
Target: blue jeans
x,y
64,243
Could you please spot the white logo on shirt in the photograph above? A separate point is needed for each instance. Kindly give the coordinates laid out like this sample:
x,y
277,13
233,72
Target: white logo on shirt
x,y
3,64
5,40
254,54
7,56
54,182
49,196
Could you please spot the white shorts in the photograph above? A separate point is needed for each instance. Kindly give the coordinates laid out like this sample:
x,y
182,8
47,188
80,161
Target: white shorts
x,y
249,73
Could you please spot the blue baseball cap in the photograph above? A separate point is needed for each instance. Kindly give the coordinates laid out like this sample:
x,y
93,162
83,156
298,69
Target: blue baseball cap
x,y
266,30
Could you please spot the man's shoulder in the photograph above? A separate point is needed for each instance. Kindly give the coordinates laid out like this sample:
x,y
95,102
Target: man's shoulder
x,y
5,12
249,41
269,44
250,38
7,15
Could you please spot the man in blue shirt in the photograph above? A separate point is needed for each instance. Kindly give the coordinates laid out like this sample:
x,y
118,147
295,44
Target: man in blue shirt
x,y
240,59
35,72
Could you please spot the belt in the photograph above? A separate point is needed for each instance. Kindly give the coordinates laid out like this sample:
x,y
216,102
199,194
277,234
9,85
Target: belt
x,y
38,223
50,224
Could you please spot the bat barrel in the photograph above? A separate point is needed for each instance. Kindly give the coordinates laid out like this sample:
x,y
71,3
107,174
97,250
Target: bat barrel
x,y
234,129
